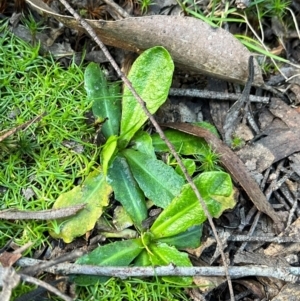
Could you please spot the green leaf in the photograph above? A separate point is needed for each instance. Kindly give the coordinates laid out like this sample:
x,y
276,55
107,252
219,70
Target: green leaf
x,y
109,149
143,259
188,239
126,190
151,76
159,182
120,253
106,99
184,144
94,192
208,126
161,255
189,164
185,210
142,142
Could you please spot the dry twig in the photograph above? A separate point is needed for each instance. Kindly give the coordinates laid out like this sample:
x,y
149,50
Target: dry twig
x,y
290,274
215,95
41,215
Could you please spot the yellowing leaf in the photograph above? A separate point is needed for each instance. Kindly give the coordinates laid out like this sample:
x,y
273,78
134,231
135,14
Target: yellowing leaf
x,y
94,192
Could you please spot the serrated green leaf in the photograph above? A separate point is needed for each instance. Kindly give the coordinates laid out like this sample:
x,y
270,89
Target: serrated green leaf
x,y
188,239
120,253
108,151
94,192
126,190
161,255
151,76
106,99
159,182
185,210
184,144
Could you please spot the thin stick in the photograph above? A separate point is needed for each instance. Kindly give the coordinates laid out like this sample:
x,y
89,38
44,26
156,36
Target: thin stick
x,y
290,274
295,21
265,239
46,264
20,127
47,286
215,95
122,12
41,215
92,33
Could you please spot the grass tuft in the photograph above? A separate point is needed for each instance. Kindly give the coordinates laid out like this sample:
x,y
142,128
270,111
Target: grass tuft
x,y
37,164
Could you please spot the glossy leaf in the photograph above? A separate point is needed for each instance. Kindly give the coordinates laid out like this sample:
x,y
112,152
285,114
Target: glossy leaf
x,y
159,182
184,144
94,192
189,164
108,151
185,210
106,99
151,76
126,190
161,255
188,239
142,259
142,142
120,253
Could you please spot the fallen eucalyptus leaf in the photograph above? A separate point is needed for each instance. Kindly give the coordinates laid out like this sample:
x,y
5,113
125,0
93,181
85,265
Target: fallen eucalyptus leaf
x,y
192,43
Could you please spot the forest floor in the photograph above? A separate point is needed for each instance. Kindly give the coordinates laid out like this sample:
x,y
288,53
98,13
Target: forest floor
x,y
51,143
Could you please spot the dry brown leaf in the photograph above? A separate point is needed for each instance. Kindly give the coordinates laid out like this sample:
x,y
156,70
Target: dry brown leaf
x,y
291,291
281,137
7,259
253,285
207,284
8,280
192,43
281,250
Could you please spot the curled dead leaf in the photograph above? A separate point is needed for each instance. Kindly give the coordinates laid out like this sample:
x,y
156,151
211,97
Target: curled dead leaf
x,y
192,43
